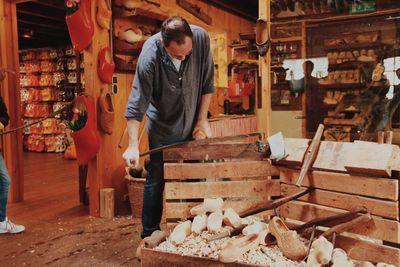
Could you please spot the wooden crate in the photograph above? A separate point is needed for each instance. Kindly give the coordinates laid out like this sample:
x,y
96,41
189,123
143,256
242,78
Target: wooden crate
x,y
234,170
336,191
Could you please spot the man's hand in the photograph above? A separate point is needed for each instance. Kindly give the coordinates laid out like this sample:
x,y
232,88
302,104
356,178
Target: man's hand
x,y
202,130
131,156
1,126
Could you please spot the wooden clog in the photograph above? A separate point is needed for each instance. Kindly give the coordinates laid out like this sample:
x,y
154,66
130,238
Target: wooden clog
x,y
199,224
231,218
214,222
180,232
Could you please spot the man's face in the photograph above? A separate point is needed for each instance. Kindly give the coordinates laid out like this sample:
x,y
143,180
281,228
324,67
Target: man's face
x,y
180,51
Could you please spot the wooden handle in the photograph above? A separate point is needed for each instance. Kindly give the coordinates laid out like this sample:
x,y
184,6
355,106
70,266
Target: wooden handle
x,y
310,155
343,227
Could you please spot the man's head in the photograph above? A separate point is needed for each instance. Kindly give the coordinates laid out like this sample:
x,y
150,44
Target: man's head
x,y
308,67
177,37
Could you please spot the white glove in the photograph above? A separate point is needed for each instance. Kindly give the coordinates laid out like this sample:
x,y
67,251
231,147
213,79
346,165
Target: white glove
x,y
202,130
131,156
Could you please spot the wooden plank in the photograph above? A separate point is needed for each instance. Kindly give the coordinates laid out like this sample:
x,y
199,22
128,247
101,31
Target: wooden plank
x,y
371,158
219,170
332,155
384,229
107,202
231,189
387,209
179,210
215,151
154,258
360,185
295,148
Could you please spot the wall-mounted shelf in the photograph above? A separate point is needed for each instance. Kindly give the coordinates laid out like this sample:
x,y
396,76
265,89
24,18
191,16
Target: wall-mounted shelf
x,y
121,12
125,48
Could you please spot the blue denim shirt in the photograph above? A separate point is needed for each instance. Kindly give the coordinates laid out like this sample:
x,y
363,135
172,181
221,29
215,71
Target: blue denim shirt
x,y
169,97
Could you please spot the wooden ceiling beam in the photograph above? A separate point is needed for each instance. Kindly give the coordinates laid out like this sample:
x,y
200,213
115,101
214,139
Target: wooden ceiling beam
x,y
51,3
43,25
231,8
40,14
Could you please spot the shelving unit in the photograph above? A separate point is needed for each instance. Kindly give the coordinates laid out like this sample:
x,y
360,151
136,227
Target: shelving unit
x,y
50,78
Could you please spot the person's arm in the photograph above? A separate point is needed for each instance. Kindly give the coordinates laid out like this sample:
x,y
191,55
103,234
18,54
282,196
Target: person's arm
x,y
202,127
4,118
137,105
131,154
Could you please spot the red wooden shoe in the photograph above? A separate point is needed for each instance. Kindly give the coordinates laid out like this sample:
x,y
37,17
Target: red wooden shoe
x,y
105,65
87,140
80,26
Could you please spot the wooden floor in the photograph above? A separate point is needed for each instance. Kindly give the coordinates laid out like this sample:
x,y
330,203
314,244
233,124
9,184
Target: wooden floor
x,y
59,231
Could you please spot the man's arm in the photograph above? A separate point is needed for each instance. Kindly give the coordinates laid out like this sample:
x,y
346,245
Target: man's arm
x,y
202,129
131,154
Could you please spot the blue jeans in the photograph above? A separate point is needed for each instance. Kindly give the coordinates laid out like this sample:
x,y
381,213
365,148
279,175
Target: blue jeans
x,y
4,185
153,192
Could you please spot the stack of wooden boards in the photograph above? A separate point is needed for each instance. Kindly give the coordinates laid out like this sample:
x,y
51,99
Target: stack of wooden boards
x,y
346,176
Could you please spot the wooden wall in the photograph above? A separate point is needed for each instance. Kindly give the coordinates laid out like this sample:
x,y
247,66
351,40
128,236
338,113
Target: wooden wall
x,y
108,169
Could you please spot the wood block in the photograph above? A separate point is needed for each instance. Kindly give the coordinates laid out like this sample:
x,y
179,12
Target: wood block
x,y
178,210
295,148
360,185
384,229
371,158
219,170
215,151
230,189
107,202
387,209
333,156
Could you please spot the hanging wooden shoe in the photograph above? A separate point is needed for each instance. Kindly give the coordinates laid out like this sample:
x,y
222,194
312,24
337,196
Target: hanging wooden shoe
x,y
103,16
80,26
105,65
106,108
87,140
263,42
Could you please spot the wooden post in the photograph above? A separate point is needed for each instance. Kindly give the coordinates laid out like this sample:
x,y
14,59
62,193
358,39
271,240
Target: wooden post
x,y
107,202
264,113
12,143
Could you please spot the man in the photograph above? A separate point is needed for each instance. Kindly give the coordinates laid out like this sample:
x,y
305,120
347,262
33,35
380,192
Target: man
x,y
173,85
6,226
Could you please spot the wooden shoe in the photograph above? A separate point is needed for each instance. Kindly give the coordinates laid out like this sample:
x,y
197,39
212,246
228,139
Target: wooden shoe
x,y
340,259
364,264
155,239
255,228
180,232
103,16
106,113
288,241
209,205
263,40
214,222
105,65
238,247
199,224
231,218
322,250
131,35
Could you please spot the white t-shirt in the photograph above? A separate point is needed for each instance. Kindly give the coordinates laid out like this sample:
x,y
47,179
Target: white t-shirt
x,y
176,62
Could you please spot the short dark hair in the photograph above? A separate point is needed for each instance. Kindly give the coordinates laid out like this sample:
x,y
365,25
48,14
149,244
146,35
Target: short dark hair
x,y
175,28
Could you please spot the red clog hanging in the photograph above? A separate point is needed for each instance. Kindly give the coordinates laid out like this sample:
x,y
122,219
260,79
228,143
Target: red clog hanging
x,y
80,26
105,65
87,140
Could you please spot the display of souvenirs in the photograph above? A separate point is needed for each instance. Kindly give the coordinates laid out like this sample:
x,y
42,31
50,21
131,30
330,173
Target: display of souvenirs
x,y
48,79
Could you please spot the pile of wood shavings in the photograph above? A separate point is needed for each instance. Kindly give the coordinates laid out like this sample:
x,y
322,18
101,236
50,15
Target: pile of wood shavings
x,y
199,246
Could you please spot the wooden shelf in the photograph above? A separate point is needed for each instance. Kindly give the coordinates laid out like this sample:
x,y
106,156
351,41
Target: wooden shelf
x,y
287,39
348,65
346,47
125,48
122,66
121,12
342,86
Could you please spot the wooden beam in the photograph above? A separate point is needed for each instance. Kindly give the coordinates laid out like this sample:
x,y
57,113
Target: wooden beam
x,y
12,143
219,170
231,189
264,112
345,183
383,208
215,151
39,13
384,229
